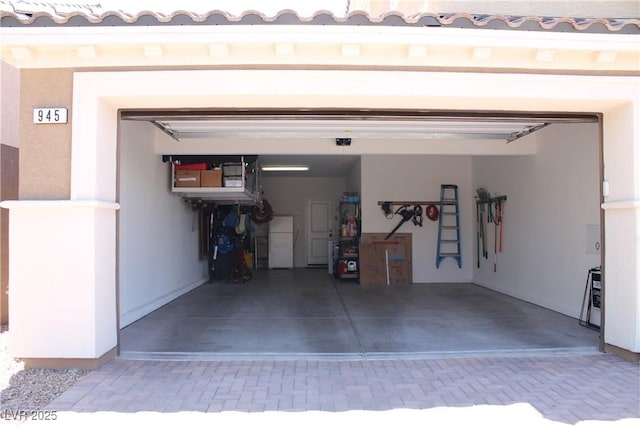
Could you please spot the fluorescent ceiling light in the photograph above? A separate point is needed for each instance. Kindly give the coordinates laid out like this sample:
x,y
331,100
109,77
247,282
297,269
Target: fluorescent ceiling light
x,y
284,168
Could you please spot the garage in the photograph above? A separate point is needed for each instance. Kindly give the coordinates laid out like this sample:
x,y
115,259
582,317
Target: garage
x,y
428,97
526,297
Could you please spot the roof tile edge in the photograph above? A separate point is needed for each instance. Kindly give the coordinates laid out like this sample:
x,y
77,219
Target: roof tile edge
x,y
324,17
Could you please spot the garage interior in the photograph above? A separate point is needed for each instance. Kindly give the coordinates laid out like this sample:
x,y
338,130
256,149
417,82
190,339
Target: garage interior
x,y
547,168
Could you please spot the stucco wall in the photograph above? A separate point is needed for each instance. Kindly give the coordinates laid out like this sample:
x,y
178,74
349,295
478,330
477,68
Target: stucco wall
x,y
553,201
159,257
45,149
354,178
62,295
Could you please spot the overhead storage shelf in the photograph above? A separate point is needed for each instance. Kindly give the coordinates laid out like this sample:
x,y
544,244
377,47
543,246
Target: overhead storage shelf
x,y
230,179
222,194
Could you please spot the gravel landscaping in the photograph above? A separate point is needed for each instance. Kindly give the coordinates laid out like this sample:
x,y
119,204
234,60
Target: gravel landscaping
x,y
29,389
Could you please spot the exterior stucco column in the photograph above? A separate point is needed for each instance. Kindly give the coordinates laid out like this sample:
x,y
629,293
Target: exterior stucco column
x,y
63,251
622,226
62,293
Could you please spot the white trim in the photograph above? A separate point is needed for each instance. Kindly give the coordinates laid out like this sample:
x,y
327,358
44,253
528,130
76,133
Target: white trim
x,y
341,46
283,34
144,309
622,204
47,204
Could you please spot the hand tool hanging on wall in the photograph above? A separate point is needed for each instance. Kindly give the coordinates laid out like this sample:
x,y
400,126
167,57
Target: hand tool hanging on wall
x,y
498,202
489,210
417,216
387,208
484,200
480,237
500,216
483,234
406,215
478,234
495,244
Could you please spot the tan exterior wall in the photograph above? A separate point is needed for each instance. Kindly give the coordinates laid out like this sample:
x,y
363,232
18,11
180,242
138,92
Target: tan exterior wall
x,y
8,191
45,149
9,142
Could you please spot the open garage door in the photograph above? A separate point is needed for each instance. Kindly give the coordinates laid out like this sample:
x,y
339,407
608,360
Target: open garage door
x,y
547,164
340,124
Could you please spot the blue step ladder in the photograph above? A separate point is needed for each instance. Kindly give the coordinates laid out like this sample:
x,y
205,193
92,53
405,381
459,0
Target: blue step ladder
x,y
449,225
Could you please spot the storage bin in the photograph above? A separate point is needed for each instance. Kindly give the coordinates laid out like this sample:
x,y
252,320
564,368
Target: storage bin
x,y
232,169
233,182
192,167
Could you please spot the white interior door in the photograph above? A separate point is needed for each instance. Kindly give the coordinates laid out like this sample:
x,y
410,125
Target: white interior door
x,y
318,213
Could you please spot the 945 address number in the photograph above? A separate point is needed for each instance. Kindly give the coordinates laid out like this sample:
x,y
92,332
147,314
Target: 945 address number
x,y
49,115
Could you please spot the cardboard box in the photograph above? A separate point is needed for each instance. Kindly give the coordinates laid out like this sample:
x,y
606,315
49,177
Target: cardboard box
x,y
211,178
372,265
187,178
385,262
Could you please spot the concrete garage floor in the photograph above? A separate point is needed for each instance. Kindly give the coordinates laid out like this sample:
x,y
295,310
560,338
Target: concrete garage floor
x,y
307,314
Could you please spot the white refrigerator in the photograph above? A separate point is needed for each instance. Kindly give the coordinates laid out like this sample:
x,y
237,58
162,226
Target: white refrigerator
x,y
281,242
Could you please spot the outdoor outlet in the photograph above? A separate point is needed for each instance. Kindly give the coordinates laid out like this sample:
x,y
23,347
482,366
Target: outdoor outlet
x,y
343,142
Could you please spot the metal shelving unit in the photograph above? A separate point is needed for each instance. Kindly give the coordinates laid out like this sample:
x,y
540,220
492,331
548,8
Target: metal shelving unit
x,y
347,260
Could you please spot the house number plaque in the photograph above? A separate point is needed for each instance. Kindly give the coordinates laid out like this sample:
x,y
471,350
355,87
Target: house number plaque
x,y
49,115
